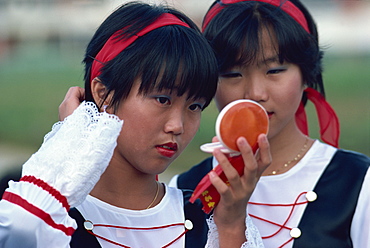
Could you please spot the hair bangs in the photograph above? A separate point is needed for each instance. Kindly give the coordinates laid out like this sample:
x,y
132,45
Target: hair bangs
x,y
187,65
235,41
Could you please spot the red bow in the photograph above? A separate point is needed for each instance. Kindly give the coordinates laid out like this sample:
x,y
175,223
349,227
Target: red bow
x,y
328,120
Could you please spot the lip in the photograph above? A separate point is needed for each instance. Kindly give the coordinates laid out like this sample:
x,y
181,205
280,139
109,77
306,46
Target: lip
x,y
167,150
270,114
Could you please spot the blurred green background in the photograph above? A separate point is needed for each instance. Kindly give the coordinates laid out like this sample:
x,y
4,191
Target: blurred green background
x,y
34,77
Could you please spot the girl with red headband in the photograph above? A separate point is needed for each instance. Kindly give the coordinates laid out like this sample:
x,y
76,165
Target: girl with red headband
x,y
313,194
93,181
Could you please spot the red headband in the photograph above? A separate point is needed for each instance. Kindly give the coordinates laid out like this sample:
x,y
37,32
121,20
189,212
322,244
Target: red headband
x,y
287,6
114,46
328,120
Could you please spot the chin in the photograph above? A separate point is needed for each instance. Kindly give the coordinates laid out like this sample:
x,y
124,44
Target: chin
x,y
158,169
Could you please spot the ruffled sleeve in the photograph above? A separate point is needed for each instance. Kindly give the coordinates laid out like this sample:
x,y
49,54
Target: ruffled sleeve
x,y
34,211
252,235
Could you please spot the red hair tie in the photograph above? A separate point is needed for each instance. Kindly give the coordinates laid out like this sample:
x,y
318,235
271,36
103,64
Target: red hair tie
x,y
287,6
114,45
328,120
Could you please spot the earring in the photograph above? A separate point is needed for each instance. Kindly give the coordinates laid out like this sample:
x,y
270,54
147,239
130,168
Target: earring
x,y
105,108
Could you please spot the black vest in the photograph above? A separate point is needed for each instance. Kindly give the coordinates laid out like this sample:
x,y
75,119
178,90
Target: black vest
x,y
326,222
195,238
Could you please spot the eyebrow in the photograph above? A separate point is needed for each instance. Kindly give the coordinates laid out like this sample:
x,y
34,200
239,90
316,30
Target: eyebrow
x,y
269,60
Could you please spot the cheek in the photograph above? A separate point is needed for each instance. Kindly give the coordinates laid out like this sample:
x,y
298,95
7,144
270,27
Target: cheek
x,y
289,96
191,128
195,125
226,94
297,88
134,128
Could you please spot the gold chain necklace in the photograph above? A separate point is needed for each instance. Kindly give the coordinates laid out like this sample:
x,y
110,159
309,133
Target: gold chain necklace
x,y
155,197
296,158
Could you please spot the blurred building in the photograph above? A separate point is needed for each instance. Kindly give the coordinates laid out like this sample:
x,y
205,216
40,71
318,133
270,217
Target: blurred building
x,y
343,24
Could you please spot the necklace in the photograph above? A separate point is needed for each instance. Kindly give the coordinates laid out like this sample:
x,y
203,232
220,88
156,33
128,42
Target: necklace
x,y
296,158
155,197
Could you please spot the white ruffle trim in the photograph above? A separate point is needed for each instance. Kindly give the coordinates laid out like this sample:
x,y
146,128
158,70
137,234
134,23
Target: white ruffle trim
x,y
76,152
252,235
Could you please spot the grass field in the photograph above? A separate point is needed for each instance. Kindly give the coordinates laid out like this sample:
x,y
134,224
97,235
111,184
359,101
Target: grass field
x,y
33,83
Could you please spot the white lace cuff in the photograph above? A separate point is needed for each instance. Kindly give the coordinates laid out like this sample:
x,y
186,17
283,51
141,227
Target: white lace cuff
x,y
252,235
76,152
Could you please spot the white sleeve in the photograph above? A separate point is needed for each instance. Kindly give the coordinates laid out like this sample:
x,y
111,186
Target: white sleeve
x,y
75,153
360,227
30,217
252,235
34,211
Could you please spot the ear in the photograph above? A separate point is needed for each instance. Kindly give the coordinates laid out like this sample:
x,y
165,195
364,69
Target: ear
x,y
99,93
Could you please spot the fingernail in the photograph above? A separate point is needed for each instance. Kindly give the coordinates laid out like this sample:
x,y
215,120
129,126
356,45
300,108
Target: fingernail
x,y
212,174
265,139
242,141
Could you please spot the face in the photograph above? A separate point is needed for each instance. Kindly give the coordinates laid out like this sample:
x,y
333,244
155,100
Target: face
x,y
277,87
157,128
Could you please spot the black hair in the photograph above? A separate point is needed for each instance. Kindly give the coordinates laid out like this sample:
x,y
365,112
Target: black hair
x,y
235,35
171,57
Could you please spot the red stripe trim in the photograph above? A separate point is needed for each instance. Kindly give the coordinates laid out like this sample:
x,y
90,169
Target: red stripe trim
x,y
16,199
57,195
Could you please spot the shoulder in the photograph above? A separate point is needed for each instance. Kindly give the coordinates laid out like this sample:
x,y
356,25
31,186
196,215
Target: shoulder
x,y
348,167
352,158
339,157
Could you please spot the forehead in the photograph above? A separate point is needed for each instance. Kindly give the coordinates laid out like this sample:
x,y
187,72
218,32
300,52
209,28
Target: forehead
x,y
268,45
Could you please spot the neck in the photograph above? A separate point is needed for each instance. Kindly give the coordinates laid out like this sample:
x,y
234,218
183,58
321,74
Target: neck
x,y
128,189
285,147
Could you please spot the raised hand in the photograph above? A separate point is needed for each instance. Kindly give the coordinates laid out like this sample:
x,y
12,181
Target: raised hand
x,y
75,95
230,213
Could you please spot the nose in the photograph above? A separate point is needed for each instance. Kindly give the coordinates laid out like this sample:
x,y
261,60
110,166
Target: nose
x,y
255,90
175,122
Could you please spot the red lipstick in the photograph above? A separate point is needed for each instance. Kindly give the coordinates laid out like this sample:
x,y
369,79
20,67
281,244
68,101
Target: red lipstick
x,y
167,149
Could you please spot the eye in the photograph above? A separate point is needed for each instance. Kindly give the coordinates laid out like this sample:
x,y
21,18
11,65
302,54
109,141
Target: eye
x,y
196,107
163,100
276,70
230,75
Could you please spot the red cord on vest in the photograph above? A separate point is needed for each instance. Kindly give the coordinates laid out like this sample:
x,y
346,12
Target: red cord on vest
x,y
281,226
137,228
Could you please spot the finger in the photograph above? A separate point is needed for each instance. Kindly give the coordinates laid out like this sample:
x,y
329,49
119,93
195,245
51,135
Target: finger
x,y
230,172
71,101
80,93
250,163
215,139
264,154
217,182
75,92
